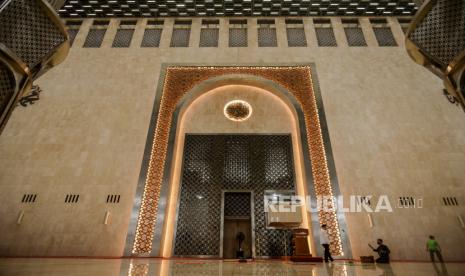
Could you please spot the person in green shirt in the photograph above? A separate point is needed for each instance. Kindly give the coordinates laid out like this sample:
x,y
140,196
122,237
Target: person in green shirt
x,y
432,246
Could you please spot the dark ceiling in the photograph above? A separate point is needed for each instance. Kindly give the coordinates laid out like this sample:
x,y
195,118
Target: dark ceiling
x,y
204,8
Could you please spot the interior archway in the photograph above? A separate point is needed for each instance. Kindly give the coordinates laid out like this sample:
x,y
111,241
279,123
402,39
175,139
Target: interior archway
x,y
204,114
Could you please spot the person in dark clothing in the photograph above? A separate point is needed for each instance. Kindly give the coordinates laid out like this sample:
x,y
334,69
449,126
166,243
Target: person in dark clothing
x,y
383,252
324,241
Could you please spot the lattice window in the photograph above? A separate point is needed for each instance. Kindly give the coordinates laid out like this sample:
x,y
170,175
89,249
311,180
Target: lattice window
x,y
295,33
213,163
7,86
29,198
96,34
238,33
152,34
267,34
354,33
73,29
324,33
181,34
209,33
383,32
385,37
441,34
124,34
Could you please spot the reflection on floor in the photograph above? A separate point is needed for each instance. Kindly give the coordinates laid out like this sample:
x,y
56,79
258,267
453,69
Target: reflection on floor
x,y
143,267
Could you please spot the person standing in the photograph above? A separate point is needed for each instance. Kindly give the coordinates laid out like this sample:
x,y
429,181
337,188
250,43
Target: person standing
x,y
383,252
432,246
324,241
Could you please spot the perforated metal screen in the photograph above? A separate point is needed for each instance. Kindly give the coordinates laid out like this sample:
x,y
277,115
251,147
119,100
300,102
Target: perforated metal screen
x,y
151,38
28,32
7,86
462,84
296,37
123,38
56,4
237,204
441,34
94,38
385,37
355,37
180,37
209,37
72,35
214,163
237,37
325,37
267,37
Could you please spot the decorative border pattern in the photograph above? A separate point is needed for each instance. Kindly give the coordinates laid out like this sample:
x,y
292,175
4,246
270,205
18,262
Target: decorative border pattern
x,y
178,82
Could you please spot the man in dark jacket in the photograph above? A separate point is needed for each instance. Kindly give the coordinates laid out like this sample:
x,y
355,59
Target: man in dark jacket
x,y
383,252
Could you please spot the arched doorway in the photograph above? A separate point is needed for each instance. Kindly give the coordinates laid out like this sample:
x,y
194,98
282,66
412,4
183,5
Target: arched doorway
x,y
219,162
181,85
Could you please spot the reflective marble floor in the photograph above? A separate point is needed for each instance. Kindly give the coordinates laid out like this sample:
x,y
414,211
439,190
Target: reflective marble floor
x,y
143,267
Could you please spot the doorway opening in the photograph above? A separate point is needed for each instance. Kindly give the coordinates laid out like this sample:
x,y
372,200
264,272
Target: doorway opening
x,y
237,225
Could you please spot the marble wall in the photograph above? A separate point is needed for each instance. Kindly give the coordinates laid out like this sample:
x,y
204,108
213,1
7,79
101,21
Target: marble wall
x,y
392,133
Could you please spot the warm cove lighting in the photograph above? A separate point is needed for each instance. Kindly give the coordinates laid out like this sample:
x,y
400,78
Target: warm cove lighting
x,y
238,110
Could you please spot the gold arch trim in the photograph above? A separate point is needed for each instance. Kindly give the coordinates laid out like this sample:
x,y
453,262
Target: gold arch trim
x,y
178,82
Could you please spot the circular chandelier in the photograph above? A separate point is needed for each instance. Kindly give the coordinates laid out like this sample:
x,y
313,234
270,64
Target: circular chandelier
x,y
237,110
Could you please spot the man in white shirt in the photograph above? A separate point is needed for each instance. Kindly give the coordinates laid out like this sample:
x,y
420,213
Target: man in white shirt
x,y
324,241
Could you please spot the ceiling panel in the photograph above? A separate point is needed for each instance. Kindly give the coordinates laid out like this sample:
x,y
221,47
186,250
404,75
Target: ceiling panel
x,y
179,8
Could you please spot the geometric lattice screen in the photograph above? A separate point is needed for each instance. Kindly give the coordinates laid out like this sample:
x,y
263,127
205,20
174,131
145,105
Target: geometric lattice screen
x,y
94,38
296,37
355,37
213,163
7,86
26,30
180,37
209,37
237,37
123,38
151,38
441,34
325,37
237,205
267,37
384,37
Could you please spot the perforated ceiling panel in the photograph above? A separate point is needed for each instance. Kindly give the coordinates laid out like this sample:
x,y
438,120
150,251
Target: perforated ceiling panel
x,y
175,8
214,163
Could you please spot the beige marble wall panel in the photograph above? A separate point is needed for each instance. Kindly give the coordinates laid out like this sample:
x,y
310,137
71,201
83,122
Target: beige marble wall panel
x,y
392,132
